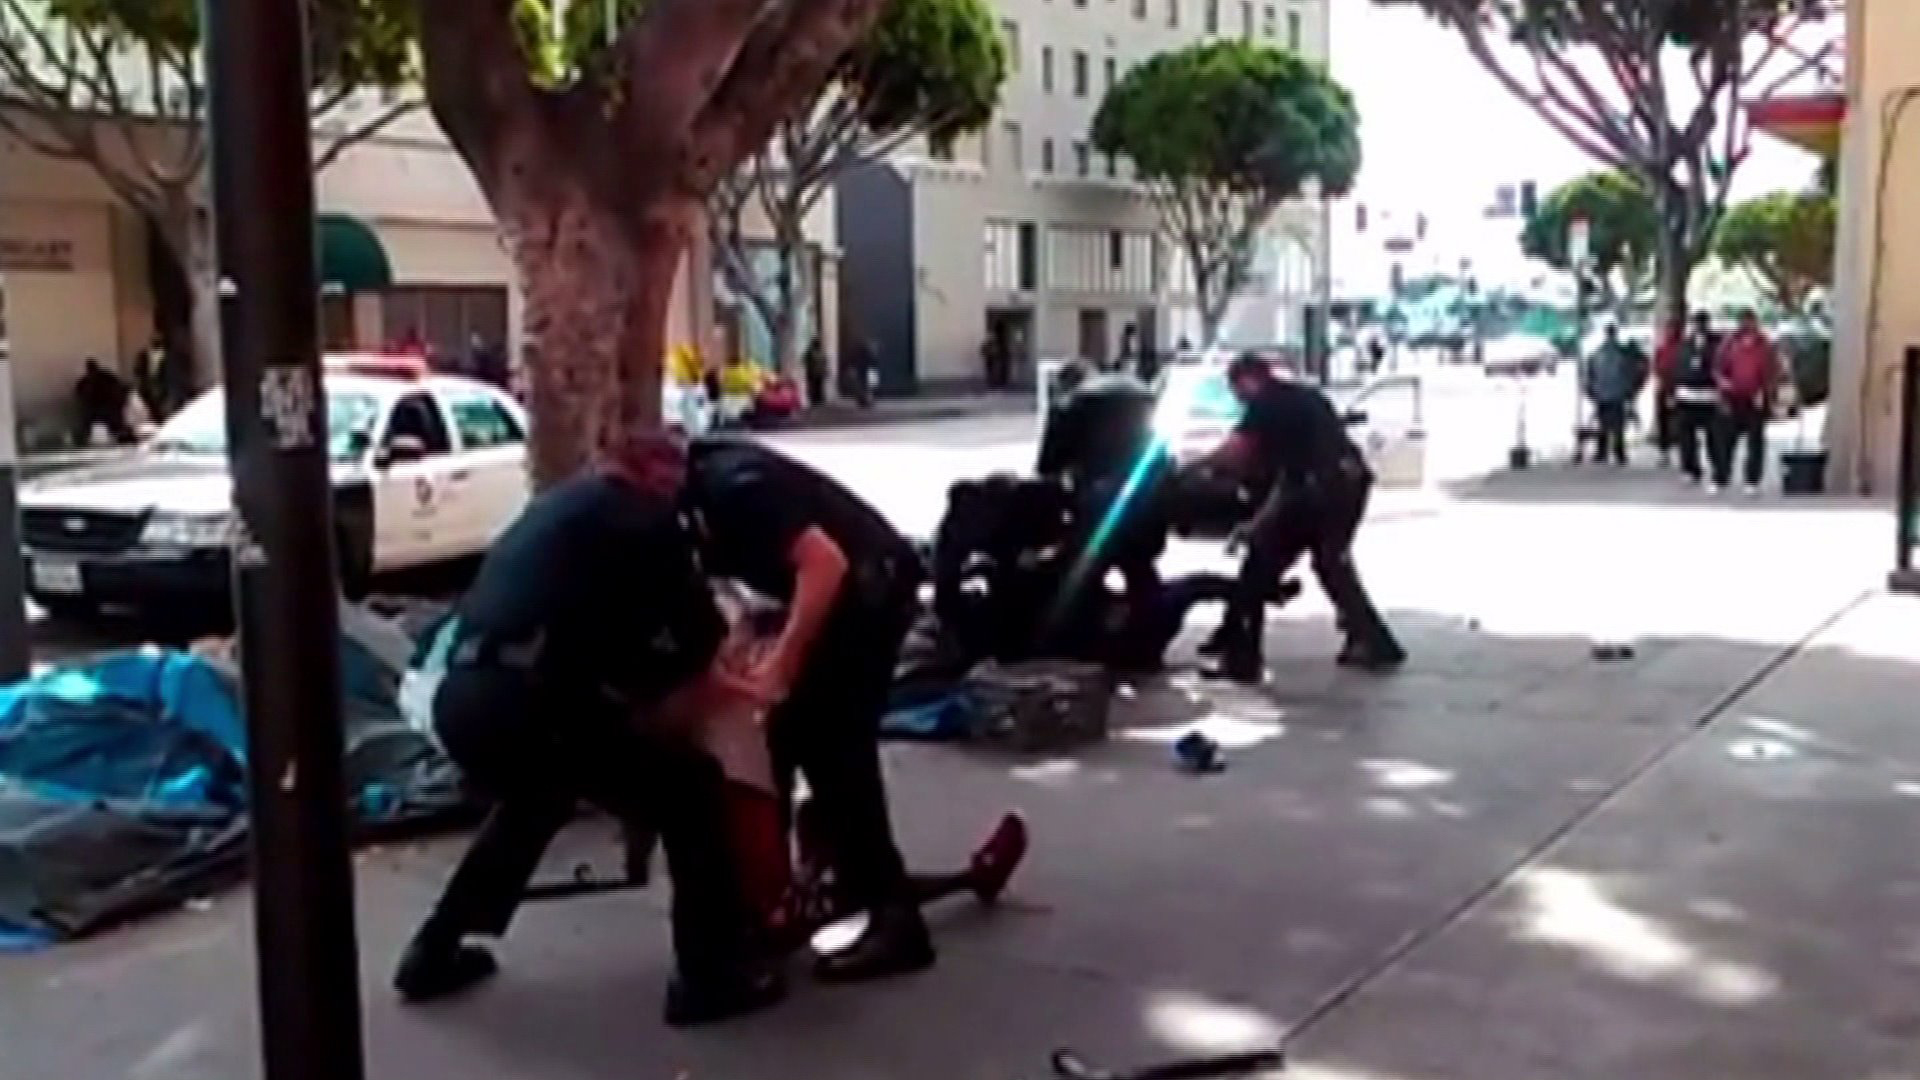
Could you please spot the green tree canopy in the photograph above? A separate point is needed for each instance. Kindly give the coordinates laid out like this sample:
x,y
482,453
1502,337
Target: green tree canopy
x,y
1786,241
1623,236
1222,133
1653,88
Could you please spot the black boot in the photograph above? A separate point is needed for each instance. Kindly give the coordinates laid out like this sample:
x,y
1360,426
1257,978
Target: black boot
x,y
712,1000
436,966
896,942
1369,655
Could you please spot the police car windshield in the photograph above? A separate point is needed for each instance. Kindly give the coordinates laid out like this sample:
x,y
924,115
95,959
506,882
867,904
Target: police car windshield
x,y
201,427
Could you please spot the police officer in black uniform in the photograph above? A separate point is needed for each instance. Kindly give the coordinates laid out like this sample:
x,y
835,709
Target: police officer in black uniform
x,y
1292,443
850,583
1099,442
589,615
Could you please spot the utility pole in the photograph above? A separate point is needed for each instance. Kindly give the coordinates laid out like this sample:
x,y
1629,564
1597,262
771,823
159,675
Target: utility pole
x,y
16,642
283,560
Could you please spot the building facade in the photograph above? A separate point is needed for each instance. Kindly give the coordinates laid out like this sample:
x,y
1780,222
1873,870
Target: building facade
x,y
1027,236
429,267
1876,295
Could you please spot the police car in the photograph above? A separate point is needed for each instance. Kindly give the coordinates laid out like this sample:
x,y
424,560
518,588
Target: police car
x,y
426,468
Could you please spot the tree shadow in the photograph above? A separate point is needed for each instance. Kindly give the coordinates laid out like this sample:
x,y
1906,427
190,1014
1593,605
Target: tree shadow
x,y
1509,859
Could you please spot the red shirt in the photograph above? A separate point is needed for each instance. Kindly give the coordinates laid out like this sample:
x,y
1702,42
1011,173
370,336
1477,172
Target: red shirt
x,y
1746,366
1666,359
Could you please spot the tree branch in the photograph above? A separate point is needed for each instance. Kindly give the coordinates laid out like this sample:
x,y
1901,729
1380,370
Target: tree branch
x,y
337,147
787,54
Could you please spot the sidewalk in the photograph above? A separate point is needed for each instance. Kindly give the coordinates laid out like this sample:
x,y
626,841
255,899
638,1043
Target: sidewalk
x,y
1508,862
919,408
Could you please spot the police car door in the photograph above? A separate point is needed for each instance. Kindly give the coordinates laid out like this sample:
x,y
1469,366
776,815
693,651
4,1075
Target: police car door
x,y
409,467
487,485
1386,419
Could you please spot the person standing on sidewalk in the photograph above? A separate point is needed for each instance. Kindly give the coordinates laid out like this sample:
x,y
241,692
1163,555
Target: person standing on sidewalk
x,y
1666,369
1696,398
1612,380
1748,374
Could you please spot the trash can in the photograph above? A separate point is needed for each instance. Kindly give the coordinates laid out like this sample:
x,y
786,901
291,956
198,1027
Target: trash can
x,y
1803,472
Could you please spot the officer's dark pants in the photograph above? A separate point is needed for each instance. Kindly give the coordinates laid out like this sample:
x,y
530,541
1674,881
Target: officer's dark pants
x,y
1323,529
537,754
828,730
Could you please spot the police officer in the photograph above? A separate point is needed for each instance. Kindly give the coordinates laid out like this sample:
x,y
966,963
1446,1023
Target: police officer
x,y
1099,442
588,616
1294,445
850,583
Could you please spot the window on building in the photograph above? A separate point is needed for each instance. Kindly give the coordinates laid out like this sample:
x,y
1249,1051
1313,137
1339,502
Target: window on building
x,y
939,151
1269,21
1246,18
1046,68
1213,16
1140,9
1080,76
1113,72
1173,13
1117,250
1029,257
1046,156
1079,3
1113,167
1082,159
1010,33
445,317
1293,31
1016,154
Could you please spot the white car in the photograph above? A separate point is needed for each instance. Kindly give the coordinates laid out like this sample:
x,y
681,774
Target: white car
x,y
426,468
1196,412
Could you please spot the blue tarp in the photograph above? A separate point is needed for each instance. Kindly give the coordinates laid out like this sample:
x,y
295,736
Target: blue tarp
x,y
123,784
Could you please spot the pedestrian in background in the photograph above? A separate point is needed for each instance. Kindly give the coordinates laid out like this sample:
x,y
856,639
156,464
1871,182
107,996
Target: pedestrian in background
x,y
1696,397
1747,372
1666,369
1612,379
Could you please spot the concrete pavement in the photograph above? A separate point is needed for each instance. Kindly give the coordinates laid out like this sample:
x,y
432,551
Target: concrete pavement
x,y
1508,862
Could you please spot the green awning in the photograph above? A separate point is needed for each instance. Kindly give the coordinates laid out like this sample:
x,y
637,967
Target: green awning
x,y
352,258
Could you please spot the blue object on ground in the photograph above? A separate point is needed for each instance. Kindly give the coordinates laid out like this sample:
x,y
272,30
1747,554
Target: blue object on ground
x,y
123,784
942,719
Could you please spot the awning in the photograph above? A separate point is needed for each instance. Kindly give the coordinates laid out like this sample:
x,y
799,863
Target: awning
x,y
352,258
1809,121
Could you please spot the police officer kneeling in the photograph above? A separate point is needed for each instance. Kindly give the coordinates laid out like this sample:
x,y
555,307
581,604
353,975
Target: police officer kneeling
x,y
851,585
589,615
1292,441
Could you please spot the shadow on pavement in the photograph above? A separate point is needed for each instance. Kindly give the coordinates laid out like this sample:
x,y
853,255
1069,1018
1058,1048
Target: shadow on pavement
x,y
1508,861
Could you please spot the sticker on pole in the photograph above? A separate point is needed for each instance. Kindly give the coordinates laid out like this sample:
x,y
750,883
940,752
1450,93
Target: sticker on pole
x,y
289,403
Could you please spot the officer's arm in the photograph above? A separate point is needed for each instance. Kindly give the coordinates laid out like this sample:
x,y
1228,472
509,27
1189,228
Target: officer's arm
x,y
819,570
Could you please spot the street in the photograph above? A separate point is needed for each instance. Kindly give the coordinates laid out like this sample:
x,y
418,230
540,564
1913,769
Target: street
x,y
1510,861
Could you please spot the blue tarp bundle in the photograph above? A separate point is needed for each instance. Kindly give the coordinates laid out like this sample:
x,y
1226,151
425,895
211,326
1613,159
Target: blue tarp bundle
x,y
123,784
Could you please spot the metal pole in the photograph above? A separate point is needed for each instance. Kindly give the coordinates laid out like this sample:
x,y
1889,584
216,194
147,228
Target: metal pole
x,y
16,640
283,558
1325,359
1907,498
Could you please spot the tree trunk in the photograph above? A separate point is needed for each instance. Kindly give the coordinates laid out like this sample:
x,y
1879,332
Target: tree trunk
x,y
598,280
1674,263
184,229
793,298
